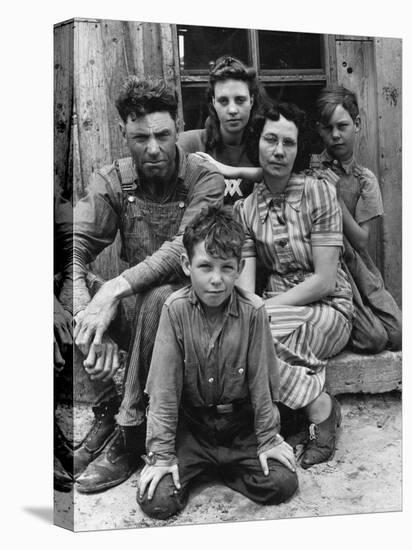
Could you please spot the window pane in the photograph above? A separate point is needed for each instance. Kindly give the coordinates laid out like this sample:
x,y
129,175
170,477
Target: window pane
x,y
194,107
289,50
199,46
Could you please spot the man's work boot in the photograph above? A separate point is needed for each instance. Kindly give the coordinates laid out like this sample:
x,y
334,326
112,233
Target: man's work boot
x,y
322,438
63,449
62,480
97,437
116,463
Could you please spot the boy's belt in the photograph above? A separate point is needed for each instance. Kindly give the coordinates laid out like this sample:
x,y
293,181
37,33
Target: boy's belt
x,y
220,409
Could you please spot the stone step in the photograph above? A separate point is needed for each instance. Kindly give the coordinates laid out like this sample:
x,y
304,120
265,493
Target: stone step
x,y
353,373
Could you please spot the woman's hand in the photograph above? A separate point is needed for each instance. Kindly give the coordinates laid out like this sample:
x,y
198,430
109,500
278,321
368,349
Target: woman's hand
x,y
283,453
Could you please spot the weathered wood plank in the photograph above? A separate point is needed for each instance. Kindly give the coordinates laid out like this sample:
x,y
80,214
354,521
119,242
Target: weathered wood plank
x,y
115,72
63,100
353,373
356,71
389,100
134,47
91,99
153,53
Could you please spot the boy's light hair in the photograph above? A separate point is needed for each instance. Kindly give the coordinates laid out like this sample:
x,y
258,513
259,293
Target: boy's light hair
x,y
331,97
217,228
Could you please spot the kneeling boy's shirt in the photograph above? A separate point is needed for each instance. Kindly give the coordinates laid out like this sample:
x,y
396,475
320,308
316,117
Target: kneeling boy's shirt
x,y
190,366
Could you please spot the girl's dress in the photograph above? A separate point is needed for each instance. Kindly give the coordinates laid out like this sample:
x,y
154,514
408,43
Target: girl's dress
x,y
280,232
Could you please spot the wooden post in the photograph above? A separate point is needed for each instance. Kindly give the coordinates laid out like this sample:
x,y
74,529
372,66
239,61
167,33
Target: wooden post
x,y
388,56
356,71
63,102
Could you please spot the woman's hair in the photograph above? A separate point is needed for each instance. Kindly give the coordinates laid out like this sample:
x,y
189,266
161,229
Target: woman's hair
x,y
294,114
330,98
225,68
217,228
140,97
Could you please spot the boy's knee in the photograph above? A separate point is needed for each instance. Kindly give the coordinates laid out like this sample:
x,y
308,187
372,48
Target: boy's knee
x,y
284,484
166,501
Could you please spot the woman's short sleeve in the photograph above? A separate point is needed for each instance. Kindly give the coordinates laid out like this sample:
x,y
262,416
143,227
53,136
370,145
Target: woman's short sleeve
x,y
326,214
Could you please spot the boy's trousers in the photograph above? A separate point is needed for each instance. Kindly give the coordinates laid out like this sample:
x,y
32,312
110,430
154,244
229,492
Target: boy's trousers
x,y
209,442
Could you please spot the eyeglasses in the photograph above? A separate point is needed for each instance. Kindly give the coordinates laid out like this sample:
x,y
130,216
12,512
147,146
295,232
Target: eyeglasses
x,y
273,141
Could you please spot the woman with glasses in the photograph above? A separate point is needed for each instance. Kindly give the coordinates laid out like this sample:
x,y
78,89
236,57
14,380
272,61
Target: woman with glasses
x,y
293,226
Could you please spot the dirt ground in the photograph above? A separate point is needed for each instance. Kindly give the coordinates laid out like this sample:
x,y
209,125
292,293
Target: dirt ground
x,y
364,476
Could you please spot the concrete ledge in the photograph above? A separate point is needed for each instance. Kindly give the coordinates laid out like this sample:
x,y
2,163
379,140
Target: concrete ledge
x,y
353,373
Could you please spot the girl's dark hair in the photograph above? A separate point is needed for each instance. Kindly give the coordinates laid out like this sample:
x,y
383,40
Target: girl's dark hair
x,y
140,97
290,111
330,98
225,68
217,228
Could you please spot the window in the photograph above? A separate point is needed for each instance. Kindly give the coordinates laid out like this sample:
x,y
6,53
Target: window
x,y
291,66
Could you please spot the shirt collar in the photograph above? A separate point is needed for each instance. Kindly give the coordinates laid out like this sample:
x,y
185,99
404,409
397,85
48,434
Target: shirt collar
x,y
292,195
347,166
232,307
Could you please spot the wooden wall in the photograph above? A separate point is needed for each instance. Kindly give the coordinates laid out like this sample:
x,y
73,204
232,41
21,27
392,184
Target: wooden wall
x,y
371,67
93,57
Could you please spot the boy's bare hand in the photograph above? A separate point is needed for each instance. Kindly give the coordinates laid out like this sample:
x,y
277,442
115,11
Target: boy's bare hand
x,y
151,475
282,453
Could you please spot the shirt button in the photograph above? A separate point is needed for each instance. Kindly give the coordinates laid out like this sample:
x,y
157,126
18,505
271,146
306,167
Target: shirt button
x,y
241,371
283,243
181,204
211,380
131,198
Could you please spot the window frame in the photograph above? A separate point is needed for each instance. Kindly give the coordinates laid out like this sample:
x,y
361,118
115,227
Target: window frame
x,y
326,75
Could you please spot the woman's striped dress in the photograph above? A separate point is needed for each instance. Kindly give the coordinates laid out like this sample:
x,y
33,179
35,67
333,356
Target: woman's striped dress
x,y
280,232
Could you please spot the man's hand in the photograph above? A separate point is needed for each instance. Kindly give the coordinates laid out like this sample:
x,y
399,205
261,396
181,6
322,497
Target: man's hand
x,y
93,322
63,335
282,453
151,475
102,361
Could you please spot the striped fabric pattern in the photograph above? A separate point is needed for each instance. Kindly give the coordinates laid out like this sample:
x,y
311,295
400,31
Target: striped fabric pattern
x,y
280,231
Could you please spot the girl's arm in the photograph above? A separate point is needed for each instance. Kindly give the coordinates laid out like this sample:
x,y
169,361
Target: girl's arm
x,y
357,234
319,285
250,174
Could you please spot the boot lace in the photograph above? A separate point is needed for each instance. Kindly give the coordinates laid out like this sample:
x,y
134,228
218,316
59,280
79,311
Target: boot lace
x,y
313,432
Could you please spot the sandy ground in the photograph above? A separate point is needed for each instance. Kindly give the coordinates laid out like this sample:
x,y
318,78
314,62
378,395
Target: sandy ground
x,y
364,476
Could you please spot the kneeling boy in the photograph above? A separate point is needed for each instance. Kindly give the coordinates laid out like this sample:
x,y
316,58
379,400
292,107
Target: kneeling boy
x,y
213,382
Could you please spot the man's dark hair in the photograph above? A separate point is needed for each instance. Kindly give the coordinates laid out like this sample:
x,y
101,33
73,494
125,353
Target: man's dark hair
x,y
217,228
290,111
225,68
330,98
141,97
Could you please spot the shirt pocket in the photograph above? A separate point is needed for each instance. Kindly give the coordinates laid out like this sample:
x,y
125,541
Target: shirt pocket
x,y
235,381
